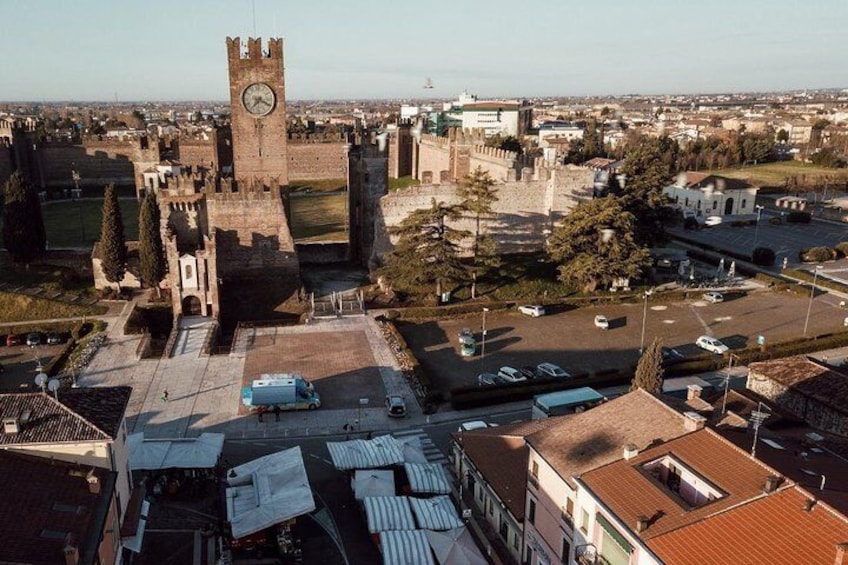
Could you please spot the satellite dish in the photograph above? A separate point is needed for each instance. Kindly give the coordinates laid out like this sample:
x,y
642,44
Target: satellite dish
x,y
53,385
40,380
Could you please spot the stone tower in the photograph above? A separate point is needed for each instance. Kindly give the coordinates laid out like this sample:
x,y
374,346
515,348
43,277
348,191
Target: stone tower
x,y
258,106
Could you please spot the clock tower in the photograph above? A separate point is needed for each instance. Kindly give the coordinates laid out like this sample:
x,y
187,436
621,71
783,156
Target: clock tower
x,y
258,106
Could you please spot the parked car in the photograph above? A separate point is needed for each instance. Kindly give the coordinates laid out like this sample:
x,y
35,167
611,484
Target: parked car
x,y
670,355
474,425
485,379
534,310
511,374
54,338
551,370
13,339
601,322
395,406
528,371
33,339
713,297
713,221
711,344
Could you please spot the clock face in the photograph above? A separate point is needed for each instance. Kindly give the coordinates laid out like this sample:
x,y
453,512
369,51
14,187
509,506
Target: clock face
x,y
258,99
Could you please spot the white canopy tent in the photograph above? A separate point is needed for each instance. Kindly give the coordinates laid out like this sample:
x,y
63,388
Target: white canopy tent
x,y
455,547
412,450
386,513
267,491
427,478
408,547
372,482
436,513
189,453
382,451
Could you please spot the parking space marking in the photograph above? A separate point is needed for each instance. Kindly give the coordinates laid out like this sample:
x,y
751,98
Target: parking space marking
x,y
723,318
704,325
659,308
668,321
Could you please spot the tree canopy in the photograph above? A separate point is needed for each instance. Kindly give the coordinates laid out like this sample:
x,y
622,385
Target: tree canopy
x,y
113,245
478,194
23,226
150,253
649,371
427,249
648,167
594,245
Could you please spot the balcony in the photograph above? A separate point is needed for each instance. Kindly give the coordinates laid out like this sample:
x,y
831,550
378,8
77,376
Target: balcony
x,y
587,555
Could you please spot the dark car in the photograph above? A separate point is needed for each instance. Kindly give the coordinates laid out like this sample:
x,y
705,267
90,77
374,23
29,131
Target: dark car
x,y
54,338
485,379
13,339
33,339
528,371
395,406
671,356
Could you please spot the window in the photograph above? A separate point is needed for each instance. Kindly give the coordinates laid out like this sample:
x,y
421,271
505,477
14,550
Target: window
x,y
568,513
715,204
744,203
584,522
699,204
534,469
531,513
566,550
515,540
491,507
686,202
189,273
504,529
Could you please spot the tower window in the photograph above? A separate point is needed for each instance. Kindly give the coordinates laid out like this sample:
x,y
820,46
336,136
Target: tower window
x,y
189,272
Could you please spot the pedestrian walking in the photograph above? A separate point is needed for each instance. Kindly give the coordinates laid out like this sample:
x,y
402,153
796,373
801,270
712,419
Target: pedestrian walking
x,y
259,413
347,429
277,412
368,435
165,396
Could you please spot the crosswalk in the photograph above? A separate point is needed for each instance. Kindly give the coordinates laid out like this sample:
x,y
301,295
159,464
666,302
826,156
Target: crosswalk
x,y
431,452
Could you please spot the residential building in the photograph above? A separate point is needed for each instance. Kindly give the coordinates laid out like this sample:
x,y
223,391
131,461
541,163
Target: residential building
x,y
799,131
493,117
559,130
83,427
705,194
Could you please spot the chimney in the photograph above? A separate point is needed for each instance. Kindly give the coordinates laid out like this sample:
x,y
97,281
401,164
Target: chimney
x,y
630,451
93,482
772,482
694,421
11,426
841,554
809,504
641,523
71,552
693,392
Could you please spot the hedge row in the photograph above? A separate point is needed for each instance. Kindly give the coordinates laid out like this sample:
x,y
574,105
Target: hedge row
x,y
409,363
820,281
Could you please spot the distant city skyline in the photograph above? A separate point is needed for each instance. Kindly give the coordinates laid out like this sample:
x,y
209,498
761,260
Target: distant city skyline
x,y
96,50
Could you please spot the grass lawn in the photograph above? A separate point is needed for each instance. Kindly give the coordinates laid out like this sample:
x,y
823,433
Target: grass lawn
x,y
66,220
319,217
20,307
774,175
402,182
323,185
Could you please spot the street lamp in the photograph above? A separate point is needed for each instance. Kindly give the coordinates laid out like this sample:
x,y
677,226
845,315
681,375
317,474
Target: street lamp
x,y
757,228
648,293
812,293
483,341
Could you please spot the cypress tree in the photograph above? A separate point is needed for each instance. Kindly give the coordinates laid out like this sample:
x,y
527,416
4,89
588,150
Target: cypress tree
x,y
113,245
150,253
23,227
649,371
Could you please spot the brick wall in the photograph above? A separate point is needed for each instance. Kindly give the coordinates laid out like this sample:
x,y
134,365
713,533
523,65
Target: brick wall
x,y
433,158
315,161
6,164
98,163
198,153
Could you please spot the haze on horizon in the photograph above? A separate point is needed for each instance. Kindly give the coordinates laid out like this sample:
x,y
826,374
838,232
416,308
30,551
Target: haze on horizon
x,y
380,49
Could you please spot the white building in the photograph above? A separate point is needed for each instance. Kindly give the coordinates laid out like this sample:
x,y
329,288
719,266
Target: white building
x,y
494,117
704,194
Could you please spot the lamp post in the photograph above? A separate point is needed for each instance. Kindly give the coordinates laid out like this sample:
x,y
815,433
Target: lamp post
x,y
76,178
648,293
812,293
483,341
757,228
727,384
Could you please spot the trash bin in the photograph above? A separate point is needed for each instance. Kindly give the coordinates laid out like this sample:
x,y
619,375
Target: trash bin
x,y
446,296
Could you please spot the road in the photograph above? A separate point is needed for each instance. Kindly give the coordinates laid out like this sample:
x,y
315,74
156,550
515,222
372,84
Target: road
x,y
332,487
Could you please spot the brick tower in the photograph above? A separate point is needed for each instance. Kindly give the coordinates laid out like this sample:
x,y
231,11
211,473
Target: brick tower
x,y
258,106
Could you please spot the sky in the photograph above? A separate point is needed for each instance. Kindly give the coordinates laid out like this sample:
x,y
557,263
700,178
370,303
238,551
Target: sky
x,y
342,49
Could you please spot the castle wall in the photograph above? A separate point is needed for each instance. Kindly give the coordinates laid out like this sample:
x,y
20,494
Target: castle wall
x,y
524,213
7,166
500,164
315,160
198,153
98,162
433,159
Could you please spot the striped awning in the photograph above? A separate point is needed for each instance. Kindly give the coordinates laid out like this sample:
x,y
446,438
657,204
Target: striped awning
x,y
385,513
406,548
436,513
382,451
427,478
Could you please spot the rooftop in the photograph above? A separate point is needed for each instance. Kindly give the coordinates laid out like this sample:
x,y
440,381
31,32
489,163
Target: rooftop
x,y
629,491
807,377
47,505
772,529
80,414
693,179
584,441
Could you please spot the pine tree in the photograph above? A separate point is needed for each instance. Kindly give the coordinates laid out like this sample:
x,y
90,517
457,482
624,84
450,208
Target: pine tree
x,y
649,371
477,192
427,249
113,245
648,168
150,253
23,226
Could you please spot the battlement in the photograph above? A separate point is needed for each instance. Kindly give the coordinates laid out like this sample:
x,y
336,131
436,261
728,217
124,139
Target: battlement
x,y
304,138
467,136
434,140
494,152
253,49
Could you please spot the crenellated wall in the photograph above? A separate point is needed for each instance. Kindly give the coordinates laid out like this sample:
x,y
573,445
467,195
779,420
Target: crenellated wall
x,y
316,160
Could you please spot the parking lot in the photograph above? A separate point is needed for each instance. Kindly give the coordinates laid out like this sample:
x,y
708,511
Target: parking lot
x,y
19,365
571,340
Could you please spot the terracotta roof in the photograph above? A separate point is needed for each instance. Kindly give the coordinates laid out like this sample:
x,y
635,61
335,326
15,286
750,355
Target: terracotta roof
x,y
82,414
596,437
773,529
804,376
57,500
694,179
629,491
500,456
